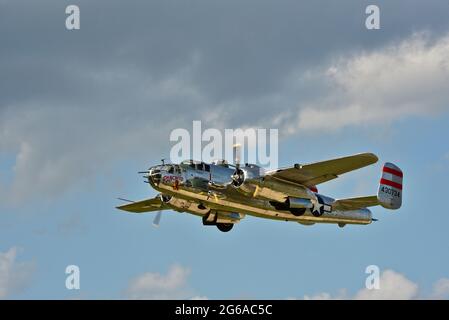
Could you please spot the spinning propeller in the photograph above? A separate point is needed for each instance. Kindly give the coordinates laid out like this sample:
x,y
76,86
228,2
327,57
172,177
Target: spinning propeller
x,y
157,219
237,177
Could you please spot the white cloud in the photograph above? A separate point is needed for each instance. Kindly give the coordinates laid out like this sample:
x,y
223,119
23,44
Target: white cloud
x,y
342,294
58,146
151,285
382,86
14,276
441,289
393,286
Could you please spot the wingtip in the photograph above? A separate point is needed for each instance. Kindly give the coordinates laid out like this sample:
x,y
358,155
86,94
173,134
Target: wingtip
x,y
371,156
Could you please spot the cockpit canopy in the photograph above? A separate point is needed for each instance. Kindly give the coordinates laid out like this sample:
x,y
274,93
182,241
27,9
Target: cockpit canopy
x,y
170,168
197,165
221,162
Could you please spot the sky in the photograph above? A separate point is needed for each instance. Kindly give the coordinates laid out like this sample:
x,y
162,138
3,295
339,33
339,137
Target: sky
x,y
82,111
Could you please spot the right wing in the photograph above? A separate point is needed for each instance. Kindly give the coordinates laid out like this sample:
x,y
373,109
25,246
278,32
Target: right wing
x,y
310,175
147,205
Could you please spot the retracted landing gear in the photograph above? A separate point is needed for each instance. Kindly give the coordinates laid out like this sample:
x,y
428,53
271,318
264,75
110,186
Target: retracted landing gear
x,y
210,219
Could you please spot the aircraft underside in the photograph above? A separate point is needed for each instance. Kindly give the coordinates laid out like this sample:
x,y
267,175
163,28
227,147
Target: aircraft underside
x,y
216,210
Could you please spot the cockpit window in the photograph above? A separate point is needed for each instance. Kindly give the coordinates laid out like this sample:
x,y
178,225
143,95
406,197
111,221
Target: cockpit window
x,y
221,162
197,165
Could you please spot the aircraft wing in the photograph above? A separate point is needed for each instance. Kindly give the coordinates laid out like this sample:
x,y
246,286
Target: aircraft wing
x,y
147,205
355,203
315,173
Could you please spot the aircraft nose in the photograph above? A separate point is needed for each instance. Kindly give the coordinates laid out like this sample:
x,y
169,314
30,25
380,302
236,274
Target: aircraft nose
x,y
154,175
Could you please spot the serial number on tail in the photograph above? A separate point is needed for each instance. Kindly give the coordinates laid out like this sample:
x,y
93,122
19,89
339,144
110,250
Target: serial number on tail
x,y
390,191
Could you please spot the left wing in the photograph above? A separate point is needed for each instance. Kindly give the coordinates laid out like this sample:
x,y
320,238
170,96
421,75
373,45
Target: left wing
x,y
355,203
147,205
310,175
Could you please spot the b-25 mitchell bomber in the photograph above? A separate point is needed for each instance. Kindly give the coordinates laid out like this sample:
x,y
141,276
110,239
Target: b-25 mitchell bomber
x,y
222,194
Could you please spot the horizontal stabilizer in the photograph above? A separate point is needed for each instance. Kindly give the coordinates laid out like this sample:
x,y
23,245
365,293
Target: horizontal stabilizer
x,y
355,203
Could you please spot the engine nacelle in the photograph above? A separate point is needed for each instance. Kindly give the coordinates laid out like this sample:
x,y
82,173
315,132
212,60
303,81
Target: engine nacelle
x,y
247,178
251,181
182,205
248,172
297,206
299,203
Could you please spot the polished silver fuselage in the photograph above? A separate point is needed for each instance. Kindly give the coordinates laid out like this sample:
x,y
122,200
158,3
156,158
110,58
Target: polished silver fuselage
x,y
200,189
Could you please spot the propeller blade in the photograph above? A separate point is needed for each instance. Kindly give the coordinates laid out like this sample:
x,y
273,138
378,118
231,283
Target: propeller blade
x,y
373,219
237,152
157,219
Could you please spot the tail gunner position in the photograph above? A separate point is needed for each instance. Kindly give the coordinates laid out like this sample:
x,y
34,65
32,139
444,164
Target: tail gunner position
x,y
223,194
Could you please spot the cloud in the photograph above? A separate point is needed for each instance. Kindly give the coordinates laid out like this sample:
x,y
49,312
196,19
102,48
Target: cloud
x,y
393,286
441,289
58,147
382,86
174,285
151,285
14,276
342,294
